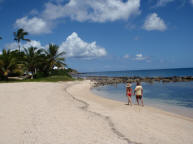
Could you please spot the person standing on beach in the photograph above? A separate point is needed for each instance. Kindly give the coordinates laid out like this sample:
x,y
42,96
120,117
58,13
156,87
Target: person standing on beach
x,y
129,93
139,93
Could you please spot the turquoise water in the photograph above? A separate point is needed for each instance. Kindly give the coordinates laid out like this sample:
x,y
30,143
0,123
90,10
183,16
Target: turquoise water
x,y
180,94
173,97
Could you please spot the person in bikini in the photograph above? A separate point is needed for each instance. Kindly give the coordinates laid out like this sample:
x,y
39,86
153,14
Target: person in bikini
x,y
129,93
139,93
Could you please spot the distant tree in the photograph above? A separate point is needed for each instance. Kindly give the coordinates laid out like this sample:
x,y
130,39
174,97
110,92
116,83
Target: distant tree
x,y
54,57
19,35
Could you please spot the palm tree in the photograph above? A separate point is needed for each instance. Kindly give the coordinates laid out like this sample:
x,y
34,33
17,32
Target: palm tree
x,y
32,59
8,63
54,57
19,35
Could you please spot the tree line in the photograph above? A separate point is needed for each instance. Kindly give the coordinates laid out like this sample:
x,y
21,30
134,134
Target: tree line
x,y
33,61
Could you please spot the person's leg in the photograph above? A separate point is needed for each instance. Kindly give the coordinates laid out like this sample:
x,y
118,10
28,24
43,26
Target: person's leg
x,y
130,101
137,100
142,101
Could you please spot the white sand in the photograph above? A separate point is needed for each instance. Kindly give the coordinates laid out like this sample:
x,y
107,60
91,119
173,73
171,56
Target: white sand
x,y
68,113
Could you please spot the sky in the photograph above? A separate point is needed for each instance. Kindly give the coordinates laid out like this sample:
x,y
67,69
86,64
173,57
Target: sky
x,y
105,35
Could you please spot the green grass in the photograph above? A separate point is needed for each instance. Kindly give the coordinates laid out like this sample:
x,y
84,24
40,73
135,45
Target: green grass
x,y
54,78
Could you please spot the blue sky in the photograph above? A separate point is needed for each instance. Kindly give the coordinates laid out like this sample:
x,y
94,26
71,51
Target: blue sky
x,y
104,35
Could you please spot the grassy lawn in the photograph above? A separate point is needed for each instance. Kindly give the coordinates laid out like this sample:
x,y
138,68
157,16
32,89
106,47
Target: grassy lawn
x,y
54,78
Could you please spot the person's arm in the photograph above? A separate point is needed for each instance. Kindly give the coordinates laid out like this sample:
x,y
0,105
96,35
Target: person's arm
x,y
126,91
142,92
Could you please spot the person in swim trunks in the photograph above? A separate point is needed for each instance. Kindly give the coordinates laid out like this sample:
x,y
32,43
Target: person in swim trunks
x,y
129,93
139,93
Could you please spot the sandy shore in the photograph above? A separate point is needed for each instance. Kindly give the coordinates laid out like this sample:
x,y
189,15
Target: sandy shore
x,y
68,113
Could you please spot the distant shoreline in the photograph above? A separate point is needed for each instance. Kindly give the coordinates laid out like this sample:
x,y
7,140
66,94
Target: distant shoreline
x,y
136,70
106,80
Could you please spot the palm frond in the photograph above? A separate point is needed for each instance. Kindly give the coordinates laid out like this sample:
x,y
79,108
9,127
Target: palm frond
x,y
19,35
26,40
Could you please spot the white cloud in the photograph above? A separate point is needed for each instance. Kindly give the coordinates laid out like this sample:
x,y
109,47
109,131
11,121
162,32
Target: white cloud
x,y
34,12
33,25
33,43
92,10
161,3
153,22
191,1
140,57
136,38
78,10
126,56
74,46
137,57
11,46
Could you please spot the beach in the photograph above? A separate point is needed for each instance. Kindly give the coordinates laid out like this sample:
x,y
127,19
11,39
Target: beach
x,y
68,112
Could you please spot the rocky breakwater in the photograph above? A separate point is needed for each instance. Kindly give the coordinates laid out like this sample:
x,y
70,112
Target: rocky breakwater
x,y
104,80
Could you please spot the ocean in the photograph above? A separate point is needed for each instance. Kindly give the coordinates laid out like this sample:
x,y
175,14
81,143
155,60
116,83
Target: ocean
x,y
174,96
144,73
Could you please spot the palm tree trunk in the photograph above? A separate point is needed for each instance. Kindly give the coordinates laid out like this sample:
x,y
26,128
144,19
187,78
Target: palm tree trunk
x,y
19,46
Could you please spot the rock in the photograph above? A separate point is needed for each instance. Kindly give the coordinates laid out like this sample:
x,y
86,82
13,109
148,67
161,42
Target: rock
x,y
166,80
104,80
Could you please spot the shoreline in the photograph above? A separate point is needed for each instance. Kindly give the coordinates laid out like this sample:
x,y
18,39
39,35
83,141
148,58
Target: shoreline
x,y
183,111
68,112
106,102
143,120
